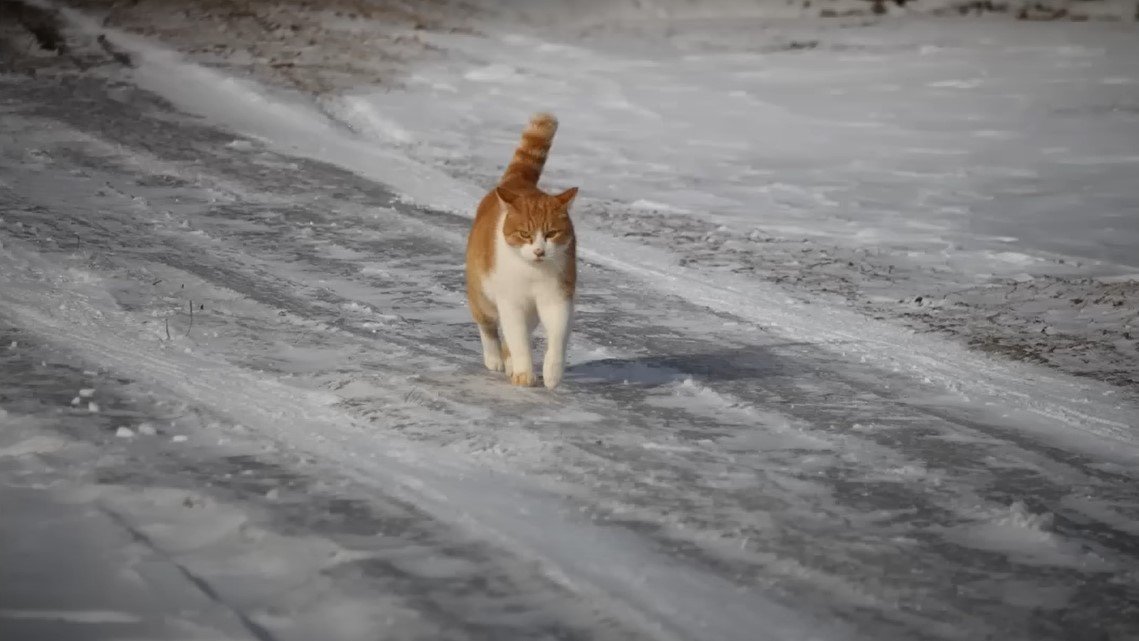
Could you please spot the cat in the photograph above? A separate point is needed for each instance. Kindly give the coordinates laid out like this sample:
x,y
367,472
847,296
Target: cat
x,y
522,264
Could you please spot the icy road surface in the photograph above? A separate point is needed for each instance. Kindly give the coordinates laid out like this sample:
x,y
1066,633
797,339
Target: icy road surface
x,y
242,399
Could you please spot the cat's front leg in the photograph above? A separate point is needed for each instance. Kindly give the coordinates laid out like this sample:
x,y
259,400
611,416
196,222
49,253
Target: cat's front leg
x,y
491,347
557,316
516,332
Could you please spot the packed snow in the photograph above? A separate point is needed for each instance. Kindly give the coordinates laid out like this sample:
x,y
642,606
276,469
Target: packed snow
x,y
242,397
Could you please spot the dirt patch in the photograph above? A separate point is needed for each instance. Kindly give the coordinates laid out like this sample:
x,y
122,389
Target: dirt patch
x,y
35,39
1083,326
315,47
42,24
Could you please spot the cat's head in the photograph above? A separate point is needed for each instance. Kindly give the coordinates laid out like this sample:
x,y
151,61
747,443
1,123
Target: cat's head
x,y
537,225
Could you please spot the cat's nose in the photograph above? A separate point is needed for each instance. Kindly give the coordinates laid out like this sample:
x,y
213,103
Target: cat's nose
x,y
539,252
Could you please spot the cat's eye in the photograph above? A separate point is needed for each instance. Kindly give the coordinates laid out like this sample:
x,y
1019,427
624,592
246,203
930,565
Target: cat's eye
x,y
524,235
552,233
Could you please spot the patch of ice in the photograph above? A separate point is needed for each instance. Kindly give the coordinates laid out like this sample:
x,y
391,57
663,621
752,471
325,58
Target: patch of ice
x,y
493,73
363,116
1024,536
958,84
652,205
71,616
33,445
1017,258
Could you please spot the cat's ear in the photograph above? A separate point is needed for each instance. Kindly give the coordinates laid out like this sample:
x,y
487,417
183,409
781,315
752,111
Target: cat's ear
x,y
566,197
505,195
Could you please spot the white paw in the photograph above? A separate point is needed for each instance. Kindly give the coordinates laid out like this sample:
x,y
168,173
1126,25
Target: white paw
x,y
552,373
508,366
493,362
522,379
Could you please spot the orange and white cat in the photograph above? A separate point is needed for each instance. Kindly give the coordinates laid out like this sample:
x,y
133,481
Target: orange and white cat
x,y
522,264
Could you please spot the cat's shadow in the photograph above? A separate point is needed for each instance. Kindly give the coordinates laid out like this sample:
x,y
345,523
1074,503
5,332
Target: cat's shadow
x,y
744,363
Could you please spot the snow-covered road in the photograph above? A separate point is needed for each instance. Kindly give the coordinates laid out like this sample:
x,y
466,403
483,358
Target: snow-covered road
x,y
241,396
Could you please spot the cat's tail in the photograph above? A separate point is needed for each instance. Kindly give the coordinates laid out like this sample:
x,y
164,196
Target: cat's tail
x,y
530,155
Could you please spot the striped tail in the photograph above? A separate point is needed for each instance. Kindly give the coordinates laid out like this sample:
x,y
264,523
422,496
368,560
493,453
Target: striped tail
x,y
526,166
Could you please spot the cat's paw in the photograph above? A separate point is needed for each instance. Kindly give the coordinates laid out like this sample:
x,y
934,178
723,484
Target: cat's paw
x,y
493,362
552,373
508,366
522,379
